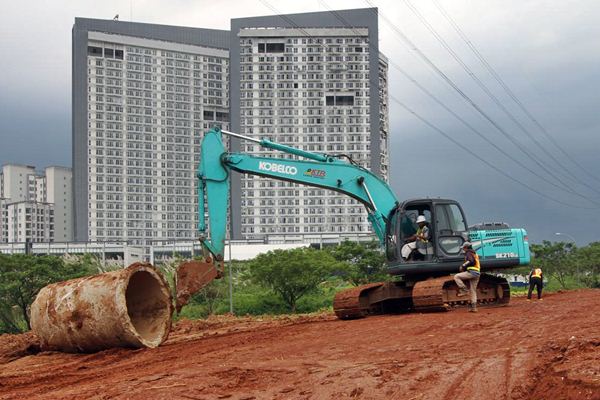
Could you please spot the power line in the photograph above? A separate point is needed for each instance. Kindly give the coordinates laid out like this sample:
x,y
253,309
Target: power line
x,y
499,80
510,93
450,82
450,138
439,102
482,136
487,91
296,26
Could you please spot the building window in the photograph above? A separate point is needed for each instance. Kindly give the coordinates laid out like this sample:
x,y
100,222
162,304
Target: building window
x,y
119,54
95,51
339,100
271,47
109,53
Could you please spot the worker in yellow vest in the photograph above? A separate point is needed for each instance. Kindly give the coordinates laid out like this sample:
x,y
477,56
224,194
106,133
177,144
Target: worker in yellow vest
x,y
536,280
471,274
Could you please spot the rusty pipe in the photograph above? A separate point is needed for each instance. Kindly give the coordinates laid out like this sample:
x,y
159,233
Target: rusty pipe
x,y
131,307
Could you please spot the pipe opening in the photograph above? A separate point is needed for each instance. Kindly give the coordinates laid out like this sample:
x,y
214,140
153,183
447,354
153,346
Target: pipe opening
x,y
148,307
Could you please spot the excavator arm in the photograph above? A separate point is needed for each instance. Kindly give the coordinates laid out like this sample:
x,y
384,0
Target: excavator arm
x,y
317,170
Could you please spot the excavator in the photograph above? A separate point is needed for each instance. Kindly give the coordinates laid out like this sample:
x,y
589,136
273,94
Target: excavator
x,y
421,283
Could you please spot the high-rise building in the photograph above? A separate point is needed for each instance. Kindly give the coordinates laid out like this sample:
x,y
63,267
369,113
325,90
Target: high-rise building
x,y
315,81
35,207
142,96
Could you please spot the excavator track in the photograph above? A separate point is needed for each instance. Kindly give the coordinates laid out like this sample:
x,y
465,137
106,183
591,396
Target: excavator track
x,y
354,303
434,294
441,294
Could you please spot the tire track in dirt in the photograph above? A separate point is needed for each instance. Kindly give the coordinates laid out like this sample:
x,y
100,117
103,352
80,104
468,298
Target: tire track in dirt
x,y
458,382
508,374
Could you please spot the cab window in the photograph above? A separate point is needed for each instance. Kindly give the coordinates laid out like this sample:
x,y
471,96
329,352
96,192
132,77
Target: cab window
x,y
457,221
450,220
450,225
391,240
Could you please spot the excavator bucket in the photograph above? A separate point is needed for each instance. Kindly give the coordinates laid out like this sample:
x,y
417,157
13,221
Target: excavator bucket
x,y
192,276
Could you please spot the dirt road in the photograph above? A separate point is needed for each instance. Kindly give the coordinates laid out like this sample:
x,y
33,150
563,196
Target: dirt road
x,y
527,350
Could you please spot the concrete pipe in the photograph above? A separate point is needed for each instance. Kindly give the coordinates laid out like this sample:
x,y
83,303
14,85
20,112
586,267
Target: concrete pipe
x,y
131,307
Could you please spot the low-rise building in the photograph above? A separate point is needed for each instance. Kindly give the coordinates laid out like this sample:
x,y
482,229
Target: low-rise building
x,y
35,207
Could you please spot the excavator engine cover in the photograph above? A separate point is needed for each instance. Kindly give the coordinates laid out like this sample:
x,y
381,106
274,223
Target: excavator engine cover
x,y
192,276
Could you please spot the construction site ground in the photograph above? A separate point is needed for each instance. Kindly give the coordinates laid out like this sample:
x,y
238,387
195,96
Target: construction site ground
x,y
547,349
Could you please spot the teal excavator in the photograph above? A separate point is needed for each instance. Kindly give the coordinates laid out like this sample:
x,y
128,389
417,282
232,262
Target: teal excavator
x,y
423,281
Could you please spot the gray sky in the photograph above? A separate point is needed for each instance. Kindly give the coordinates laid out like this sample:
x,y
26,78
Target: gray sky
x,y
547,52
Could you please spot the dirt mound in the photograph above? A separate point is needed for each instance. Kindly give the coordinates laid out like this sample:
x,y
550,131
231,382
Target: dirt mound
x,y
527,350
571,370
13,347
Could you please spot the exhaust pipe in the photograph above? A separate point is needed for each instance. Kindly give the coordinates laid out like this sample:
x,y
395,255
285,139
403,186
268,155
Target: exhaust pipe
x,y
131,307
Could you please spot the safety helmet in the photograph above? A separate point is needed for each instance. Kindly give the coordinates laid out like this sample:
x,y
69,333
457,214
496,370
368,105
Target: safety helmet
x,y
467,245
421,218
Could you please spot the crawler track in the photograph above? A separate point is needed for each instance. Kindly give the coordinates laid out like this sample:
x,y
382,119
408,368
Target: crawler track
x,y
434,294
441,293
354,303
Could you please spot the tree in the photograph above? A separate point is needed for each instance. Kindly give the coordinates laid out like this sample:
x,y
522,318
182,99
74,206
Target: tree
x,y
211,295
292,273
588,259
365,262
21,278
556,259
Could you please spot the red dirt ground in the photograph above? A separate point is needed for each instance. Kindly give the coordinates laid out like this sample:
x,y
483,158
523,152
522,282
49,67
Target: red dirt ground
x,y
546,349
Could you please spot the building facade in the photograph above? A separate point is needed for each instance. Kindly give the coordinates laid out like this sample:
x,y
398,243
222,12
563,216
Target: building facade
x,y
58,191
315,81
35,207
143,94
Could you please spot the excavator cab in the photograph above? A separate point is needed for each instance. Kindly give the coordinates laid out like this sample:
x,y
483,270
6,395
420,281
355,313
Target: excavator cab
x,y
447,232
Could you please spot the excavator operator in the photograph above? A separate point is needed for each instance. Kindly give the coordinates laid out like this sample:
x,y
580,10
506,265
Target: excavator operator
x,y
417,241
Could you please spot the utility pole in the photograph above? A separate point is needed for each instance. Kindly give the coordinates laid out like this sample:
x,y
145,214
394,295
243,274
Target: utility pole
x,y
230,266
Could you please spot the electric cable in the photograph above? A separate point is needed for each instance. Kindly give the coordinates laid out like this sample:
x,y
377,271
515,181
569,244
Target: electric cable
x,y
496,100
510,93
296,26
450,82
478,133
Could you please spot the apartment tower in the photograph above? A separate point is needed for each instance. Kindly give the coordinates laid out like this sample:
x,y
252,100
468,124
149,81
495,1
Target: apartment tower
x,y
315,81
142,96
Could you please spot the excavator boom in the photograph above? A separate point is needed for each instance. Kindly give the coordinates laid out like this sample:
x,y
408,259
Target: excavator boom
x,y
319,170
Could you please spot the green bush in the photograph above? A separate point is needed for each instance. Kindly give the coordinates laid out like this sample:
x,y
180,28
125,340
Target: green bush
x,y
21,278
292,274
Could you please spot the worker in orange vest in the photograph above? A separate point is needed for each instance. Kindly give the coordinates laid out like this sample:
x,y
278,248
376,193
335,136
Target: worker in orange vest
x,y
535,280
471,274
